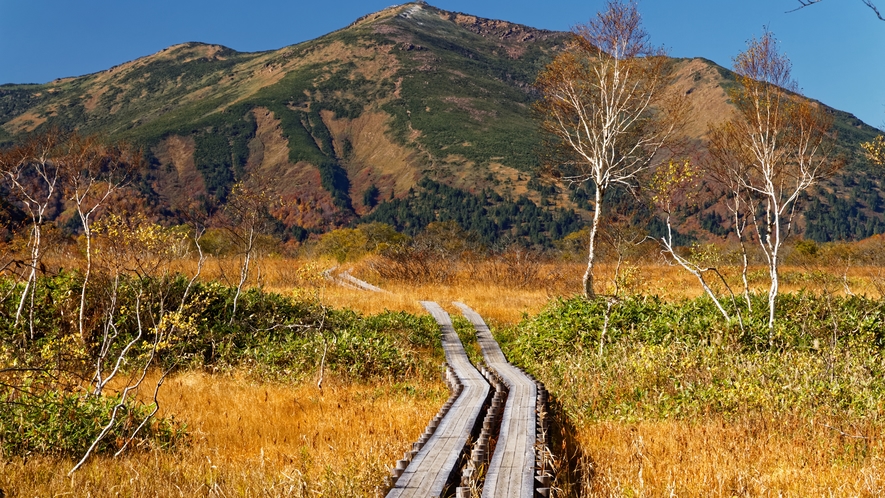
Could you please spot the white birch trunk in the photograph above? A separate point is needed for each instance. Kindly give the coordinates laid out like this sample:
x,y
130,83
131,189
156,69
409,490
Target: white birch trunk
x,y
594,229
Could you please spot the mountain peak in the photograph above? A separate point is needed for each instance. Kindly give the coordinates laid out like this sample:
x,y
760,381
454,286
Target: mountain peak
x,y
337,125
489,28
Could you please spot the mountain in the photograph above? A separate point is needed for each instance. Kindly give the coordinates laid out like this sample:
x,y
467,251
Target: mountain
x,y
392,113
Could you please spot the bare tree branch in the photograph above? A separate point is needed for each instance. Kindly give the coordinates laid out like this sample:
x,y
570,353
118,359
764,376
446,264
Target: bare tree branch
x,y
868,3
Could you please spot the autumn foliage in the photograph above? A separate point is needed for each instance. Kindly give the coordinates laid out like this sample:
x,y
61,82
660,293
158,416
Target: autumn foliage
x,y
606,109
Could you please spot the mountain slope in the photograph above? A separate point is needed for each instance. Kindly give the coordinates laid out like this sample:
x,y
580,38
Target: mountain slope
x,y
336,124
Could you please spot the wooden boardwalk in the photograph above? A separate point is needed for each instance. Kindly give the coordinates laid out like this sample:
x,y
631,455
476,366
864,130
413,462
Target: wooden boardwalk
x,y
511,472
437,463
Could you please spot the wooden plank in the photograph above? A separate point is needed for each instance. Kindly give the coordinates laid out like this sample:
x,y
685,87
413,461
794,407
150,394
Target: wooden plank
x,y
433,466
511,471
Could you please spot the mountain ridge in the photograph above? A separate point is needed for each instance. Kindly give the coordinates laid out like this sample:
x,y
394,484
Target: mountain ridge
x,y
405,93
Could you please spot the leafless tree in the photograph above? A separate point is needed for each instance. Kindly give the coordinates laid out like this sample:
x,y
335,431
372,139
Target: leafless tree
x,y
93,172
868,3
34,179
604,102
246,218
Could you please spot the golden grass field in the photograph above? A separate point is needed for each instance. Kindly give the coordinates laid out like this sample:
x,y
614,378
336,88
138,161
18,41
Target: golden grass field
x,y
756,456
254,438
505,303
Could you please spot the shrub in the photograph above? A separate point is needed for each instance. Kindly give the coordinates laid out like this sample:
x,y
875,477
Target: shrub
x,y
663,360
66,424
42,405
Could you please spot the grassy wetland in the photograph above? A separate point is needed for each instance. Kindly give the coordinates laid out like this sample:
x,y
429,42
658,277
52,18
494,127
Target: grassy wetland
x,y
316,388
216,343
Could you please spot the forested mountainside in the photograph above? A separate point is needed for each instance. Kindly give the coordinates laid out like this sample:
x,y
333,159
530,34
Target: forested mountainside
x,y
409,115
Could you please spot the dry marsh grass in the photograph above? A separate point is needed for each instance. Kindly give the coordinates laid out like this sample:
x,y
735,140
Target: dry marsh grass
x,y
547,280
251,438
496,303
755,456
486,285
503,303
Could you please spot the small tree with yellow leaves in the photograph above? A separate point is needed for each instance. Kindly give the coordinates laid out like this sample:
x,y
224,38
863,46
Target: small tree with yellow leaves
x,y
875,150
139,318
674,184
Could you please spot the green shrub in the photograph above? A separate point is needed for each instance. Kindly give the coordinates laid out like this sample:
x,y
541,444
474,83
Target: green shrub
x,y
278,333
680,359
64,423
807,318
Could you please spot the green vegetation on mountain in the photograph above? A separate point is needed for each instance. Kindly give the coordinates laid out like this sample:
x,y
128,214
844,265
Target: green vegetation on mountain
x,y
496,220
466,96
449,94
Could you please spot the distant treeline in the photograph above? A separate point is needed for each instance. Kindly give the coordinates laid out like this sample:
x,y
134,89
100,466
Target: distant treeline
x,y
494,219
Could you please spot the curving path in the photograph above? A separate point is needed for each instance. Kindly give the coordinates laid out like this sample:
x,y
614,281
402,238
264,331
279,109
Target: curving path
x,y
511,472
436,464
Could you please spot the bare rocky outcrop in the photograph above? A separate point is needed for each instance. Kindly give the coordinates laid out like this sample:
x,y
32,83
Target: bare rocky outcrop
x,y
490,28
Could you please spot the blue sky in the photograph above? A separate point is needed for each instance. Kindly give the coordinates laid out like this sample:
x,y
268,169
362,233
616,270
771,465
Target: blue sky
x,y
837,46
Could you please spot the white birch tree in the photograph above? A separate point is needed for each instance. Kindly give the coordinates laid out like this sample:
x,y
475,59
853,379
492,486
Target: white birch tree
x,y
34,180
93,173
778,144
604,102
